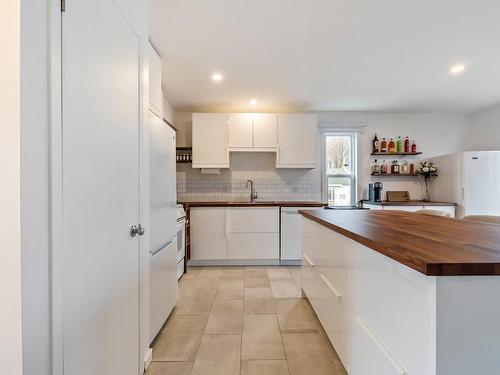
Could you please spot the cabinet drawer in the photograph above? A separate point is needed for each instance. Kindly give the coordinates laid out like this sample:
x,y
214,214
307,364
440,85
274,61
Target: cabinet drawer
x,y
253,220
398,304
253,246
369,353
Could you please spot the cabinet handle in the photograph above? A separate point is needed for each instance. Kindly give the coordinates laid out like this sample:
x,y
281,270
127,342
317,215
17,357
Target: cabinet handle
x,y
330,286
308,260
387,354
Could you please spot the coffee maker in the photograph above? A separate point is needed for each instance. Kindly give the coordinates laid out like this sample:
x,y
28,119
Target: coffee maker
x,y
375,191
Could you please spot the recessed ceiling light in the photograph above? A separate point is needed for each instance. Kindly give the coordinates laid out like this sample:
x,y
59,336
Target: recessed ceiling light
x,y
217,77
457,69
253,102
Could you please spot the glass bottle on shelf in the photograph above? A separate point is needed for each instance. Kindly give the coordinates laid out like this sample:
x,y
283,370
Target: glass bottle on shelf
x,y
391,146
414,147
383,167
399,145
405,168
376,144
383,146
407,144
394,167
375,167
412,168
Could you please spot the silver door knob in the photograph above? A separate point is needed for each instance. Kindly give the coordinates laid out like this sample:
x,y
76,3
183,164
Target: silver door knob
x,y
140,230
134,230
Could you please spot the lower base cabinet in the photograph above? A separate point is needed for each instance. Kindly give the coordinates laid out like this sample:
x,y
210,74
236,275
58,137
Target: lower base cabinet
x,y
221,235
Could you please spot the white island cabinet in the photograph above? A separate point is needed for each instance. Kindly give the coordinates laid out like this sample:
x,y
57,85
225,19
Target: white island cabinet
x,y
384,318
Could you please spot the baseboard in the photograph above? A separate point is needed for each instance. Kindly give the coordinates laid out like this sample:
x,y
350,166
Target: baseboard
x,y
242,262
148,358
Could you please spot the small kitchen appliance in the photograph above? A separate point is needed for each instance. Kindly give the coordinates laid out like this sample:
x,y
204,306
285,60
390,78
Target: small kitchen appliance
x,y
375,191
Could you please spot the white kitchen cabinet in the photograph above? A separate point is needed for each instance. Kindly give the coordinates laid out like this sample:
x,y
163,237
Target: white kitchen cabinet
x,y
253,132
291,233
265,130
208,233
297,138
253,220
155,93
253,245
253,232
210,140
241,130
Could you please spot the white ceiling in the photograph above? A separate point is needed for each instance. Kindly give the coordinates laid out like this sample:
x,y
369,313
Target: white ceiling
x,y
326,55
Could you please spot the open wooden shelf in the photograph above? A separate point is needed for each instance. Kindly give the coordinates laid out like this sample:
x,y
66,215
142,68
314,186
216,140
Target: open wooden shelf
x,y
395,153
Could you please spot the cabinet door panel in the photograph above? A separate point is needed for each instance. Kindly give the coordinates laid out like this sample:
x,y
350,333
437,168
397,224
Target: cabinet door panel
x,y
253,246
209,134
208,233
240,130
297,133
265,130
253,220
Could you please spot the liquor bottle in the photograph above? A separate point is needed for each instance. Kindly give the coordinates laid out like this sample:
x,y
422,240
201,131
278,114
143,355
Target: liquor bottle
x,y
399,145
383,146
375,167
405,169
394,167
412,168
392,146
414,147
383,168
376,144
407,144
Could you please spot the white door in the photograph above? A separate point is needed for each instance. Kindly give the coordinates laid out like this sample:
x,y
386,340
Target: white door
x,y
481,185
265,130
240,130
100,66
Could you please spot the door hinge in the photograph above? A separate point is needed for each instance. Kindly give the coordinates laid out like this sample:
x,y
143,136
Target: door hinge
x,y
63,5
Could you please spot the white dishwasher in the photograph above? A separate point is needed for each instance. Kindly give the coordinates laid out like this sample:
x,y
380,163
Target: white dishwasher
x,y
291,232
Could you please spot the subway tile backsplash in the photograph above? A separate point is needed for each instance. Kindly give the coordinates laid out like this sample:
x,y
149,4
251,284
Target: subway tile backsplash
x,y
202,189
230,185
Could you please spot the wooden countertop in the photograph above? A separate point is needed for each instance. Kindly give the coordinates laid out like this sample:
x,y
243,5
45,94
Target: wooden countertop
x,y
411,203
432,245
256,204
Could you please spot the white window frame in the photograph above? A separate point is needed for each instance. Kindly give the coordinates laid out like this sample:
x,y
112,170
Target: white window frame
x,y
354,170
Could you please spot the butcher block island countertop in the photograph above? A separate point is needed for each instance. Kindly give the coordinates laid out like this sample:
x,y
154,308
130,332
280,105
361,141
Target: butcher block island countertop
x,y
431,245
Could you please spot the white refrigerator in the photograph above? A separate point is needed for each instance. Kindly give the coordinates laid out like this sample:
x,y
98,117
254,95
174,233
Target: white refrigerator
x,y
163,223
471,179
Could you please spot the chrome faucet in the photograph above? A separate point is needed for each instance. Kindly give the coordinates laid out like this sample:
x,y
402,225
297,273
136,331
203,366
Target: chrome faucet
x,y
253,193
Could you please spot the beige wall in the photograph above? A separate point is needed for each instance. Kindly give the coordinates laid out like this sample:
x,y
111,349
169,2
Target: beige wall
x,y
10,224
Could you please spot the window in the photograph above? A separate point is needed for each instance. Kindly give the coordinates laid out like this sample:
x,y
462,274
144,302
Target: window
x,y
339,169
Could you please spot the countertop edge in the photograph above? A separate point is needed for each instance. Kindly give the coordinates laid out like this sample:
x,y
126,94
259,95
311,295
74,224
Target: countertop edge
x,y
410,203
425,268
258,204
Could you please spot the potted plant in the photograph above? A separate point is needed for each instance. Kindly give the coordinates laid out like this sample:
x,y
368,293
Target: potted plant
x,y
427,170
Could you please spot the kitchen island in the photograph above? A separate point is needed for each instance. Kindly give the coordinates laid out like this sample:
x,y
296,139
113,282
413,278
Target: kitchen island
x,y
402,293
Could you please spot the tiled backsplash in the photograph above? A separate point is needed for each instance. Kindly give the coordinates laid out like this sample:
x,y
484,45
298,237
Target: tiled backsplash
x,y
230,185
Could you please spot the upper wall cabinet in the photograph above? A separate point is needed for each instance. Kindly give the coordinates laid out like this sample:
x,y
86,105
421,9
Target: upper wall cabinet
x,y
210,139
241,130
297,137
253,132
155,96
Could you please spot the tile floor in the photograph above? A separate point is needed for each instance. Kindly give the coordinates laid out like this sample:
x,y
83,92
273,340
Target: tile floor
x,y
243,321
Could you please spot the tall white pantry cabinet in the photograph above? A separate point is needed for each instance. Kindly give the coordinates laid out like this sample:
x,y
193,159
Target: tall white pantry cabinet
x,y
292,136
